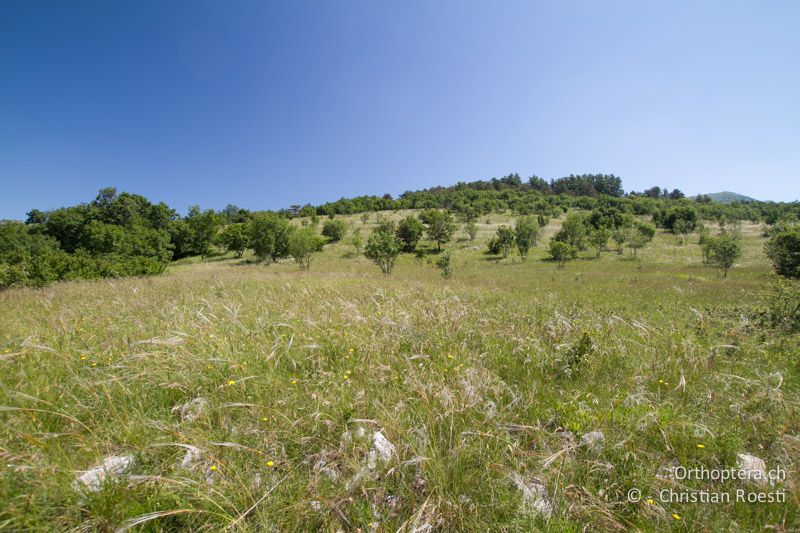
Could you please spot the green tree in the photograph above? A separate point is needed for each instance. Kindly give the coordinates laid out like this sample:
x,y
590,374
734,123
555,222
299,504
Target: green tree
x,y
357,241
383,247
269,236
302,245
573,231
783,250
234,238
505,239
526,235
472,229
203,226
725,251
334,230
598,239
410,231
562,252
440,226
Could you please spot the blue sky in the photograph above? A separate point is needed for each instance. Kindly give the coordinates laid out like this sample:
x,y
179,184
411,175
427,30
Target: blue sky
x,y
264,104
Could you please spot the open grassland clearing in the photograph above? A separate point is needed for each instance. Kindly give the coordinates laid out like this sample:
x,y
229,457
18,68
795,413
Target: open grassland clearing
x,y
264,397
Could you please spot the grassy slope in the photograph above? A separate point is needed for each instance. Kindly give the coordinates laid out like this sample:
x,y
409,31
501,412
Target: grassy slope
x,y
463,376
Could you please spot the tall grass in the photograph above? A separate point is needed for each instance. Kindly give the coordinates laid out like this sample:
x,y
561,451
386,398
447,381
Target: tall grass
x,y
465,377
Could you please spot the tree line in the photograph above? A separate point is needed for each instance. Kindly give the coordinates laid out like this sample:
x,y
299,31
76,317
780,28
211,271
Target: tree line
x,y
123,234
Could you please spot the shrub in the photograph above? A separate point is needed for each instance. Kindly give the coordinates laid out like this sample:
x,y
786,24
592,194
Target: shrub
x,y
383,247
783,249
526,235
269,236
562,252
334,230
302,244
410,231
445,265
234,238
724,252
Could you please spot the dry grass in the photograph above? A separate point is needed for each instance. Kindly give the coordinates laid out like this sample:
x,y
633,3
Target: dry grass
x,y
465,377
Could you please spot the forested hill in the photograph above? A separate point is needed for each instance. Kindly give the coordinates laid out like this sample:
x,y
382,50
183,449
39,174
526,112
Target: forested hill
x,y
727,197
119,234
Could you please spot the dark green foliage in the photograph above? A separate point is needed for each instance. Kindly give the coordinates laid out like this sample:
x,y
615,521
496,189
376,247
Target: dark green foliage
x,y
783,305
783,249
269,236
440,226
562,252
203,226
724,251
686,213
578,353
573,231
410,231
235,238
526,235
503,241
114,235
383,247
444,263
334,230
598,239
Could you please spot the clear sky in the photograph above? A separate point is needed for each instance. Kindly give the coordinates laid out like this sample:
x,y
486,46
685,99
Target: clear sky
x,y
266,104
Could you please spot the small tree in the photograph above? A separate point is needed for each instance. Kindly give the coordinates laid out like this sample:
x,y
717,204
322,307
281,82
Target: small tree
x,y
302,245
357,241
505,239
203,227
783,250
365,217
573,231
383,247
472,229
234,238
725,251
269,236
409,231
562,252
683,228
619,236
526,235
334,230
598,239
444,264
440,226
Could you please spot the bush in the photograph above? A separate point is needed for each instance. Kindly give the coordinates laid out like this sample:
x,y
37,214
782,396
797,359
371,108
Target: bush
x,y
410,231
383,247
526,235
445,265
783,249
234,238
302,245
334,230
562,252
724,252
269,236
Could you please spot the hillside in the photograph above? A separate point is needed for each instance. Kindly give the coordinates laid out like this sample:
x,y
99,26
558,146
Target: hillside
x,y
515,396
727,197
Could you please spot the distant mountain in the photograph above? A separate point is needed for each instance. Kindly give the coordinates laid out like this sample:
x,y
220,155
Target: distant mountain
x,y
727,197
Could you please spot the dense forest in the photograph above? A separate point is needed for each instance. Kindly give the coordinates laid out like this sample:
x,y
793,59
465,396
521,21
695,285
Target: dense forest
x,y
124,234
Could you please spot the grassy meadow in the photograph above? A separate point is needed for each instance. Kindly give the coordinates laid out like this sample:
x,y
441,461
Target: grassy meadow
x,y
484,384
